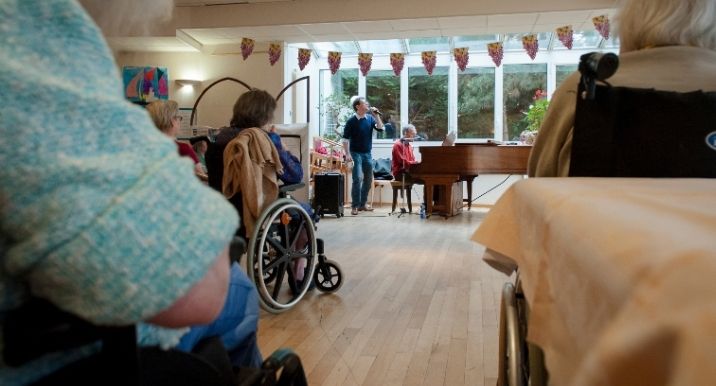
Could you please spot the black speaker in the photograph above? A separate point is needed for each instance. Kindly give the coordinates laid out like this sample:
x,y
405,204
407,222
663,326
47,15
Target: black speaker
x,y
328,194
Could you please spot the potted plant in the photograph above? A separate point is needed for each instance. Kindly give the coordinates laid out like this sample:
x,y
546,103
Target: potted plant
x,y
534,117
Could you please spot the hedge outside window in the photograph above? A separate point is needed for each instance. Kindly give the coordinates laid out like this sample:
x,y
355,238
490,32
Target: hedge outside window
x,y
476,103
428,102
383,92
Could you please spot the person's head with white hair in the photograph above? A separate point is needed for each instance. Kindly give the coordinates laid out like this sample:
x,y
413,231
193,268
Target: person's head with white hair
x,y
409,131
655,23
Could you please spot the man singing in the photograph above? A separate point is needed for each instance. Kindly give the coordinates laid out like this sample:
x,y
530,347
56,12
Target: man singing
x,y
357,143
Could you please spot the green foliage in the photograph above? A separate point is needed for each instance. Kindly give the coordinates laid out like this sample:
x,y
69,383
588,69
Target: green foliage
x,y
427,108
520,83
476,104
337,109
535,115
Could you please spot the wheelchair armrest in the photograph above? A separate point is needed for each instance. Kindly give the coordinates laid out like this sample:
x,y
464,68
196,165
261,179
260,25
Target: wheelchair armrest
x,y
283,189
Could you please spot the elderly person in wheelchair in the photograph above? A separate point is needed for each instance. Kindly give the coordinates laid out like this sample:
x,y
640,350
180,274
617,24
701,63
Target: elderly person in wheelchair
x,y
648,113
246,163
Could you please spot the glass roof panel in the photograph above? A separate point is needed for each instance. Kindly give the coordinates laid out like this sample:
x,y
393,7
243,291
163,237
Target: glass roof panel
x,y
612,42
347,48
439,44
475,43
513,42
381,46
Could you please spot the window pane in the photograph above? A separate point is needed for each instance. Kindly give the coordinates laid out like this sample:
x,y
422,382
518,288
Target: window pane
x,y
336,91
520,82
383,92
563,71
428,102
476,103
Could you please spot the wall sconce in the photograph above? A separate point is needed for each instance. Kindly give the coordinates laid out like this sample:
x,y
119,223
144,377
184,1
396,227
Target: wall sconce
x,y
187,82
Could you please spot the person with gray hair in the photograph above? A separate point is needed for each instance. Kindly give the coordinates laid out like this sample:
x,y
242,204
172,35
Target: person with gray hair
x,y
402,155
665,45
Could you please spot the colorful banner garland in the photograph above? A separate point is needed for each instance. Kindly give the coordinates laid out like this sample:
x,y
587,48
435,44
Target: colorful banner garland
x,y
566,36
531,45
429,60
247,47
495,51
364,61
274,52
334,61
601,23
304,55
397,60
461,57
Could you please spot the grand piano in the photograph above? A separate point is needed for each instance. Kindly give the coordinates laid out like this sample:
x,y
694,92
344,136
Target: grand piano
x,y
446,167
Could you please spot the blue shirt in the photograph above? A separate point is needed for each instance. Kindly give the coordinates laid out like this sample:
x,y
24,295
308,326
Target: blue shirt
x,y
359,131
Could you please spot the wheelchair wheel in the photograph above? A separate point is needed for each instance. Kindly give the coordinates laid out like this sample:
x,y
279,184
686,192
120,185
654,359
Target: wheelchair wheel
x,y
328,277
283,236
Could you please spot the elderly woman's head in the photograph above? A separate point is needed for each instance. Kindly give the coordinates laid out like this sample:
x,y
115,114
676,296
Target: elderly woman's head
x,y
654,23
253,109
165,115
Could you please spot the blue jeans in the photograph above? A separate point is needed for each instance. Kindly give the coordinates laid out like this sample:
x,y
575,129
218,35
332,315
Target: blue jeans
x,y
236,324
362,178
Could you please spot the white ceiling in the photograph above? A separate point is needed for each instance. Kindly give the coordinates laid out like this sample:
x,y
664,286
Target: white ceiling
x,y
218,40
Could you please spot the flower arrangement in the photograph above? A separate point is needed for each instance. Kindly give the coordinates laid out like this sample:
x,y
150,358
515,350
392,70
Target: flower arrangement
x,y
495,51
461,57
247,47
601,23
397,60
531,45
304,55
566,36
364,61
334,61
429,60
534,116
274,52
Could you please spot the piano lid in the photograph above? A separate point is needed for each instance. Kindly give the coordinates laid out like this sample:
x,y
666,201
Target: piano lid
x,y
473,159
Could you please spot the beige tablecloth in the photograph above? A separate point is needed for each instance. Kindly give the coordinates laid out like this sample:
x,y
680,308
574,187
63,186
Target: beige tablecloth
x,y
620,275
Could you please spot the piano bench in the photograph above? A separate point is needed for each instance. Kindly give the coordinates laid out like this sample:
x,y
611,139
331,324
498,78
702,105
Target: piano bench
x,y
405,189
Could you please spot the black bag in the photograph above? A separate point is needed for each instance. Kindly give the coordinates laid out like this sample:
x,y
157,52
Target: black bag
x,y
381,169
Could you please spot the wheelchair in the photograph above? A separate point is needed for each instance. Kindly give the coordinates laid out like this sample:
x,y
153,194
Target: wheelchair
x,y
618,132
276,247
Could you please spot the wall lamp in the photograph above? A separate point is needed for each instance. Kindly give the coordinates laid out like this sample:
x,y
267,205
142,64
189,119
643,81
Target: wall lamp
x,y
187,82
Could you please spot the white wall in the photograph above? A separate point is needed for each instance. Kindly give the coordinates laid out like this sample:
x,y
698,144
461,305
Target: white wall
x,y
215,108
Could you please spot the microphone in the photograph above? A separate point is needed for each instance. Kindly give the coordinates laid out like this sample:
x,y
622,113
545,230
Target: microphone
x,y
374,110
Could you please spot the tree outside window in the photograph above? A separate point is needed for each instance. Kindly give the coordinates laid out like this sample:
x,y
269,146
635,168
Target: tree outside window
x,y
383,92
428,102
336,91
476,103
520,82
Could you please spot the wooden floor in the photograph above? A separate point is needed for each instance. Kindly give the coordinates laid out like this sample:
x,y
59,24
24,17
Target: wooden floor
x,y
418,306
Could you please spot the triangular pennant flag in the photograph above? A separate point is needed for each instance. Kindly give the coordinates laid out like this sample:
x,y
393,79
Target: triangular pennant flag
x,y
461,57
565,35
364,61
334,61
247,47
531,45
495,51
304,55
601,23
397,60
274,52
429,60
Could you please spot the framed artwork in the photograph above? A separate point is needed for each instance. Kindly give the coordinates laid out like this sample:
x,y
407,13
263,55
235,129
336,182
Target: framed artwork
x,y
145,83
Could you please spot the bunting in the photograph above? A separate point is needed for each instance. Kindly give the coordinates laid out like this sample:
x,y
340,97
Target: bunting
x,y
495,51
601,23
334,61
274,52
531,45
247,47
397,60
565,35
364,61
304,55
429,60
461,57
